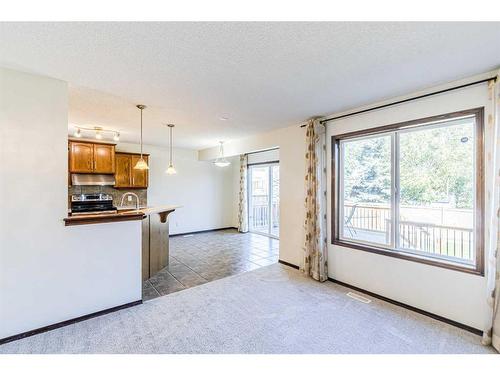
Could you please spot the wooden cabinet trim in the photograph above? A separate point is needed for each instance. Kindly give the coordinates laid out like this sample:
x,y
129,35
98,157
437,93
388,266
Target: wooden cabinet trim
x,y
137,179
90,160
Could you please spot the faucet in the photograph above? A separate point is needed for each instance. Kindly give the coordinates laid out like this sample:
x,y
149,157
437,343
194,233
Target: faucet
x,y
132,194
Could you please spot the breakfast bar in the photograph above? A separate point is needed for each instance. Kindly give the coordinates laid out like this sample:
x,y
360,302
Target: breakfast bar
x,y
155,232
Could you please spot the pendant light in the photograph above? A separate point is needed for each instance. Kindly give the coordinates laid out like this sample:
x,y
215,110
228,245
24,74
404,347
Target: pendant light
x,y
221,161
141,163
171,169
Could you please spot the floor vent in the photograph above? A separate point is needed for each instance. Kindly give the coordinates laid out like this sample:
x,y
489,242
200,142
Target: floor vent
x,y
359,298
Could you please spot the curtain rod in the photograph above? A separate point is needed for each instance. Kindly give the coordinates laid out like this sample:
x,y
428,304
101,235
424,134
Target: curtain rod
x,y
406,100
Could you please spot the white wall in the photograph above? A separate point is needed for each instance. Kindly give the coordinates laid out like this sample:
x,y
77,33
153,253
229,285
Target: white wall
x,y
204,191
292,164
451,294
456,295
48,272
264,156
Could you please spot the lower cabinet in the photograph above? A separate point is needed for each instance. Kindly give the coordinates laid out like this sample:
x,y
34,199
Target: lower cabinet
x,y
155,245
128,177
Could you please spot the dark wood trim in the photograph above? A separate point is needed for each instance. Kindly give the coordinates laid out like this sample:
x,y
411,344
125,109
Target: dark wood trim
x,y
263,163
478,113
409,307
67,322
400,304
480,190
409,124
202,231
164,215
408,256
102,218
288,264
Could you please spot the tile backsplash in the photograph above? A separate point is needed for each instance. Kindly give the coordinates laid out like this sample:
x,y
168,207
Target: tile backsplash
x,y
115,193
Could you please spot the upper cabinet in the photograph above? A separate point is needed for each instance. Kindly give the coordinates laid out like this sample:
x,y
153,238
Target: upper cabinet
x,y
128,177
104,158
123,170
88,157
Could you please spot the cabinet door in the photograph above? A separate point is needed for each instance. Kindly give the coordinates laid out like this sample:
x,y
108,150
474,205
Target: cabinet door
x,y
104,158
123,174
139,176
81,157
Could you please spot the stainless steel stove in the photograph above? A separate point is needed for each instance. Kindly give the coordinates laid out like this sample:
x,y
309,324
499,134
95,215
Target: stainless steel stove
x,y
84,204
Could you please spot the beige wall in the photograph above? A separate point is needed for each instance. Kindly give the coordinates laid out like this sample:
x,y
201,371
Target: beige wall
x,y
454,295
204,191
48,272
292,164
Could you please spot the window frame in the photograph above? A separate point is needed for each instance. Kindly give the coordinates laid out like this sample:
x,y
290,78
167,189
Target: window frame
x,y
336,197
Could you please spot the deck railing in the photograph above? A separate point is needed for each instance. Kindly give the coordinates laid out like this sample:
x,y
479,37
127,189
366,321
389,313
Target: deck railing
x,y
373,222
436,239
259,213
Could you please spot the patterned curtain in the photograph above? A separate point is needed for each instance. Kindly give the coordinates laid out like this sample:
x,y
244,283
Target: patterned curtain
x,y
492,241
243,205
315,243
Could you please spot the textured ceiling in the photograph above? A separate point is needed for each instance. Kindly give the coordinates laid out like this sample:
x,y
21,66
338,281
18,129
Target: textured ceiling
x,y
259,75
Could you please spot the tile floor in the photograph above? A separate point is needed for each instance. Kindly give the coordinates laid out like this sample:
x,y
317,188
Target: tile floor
x,y
200,258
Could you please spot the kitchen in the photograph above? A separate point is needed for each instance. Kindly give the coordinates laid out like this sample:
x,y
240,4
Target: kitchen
x,y
179,232
107,185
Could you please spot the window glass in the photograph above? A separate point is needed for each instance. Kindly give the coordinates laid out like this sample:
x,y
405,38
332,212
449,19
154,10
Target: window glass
x,y
366,187
436,212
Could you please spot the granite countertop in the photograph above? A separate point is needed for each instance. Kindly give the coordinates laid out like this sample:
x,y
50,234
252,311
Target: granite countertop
x,y
149,210
123,214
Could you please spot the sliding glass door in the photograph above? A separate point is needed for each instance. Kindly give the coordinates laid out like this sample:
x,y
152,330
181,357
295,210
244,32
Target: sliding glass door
x,y
263,202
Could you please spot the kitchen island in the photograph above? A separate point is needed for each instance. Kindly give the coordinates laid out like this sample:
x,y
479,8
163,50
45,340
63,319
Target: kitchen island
x,y
155,232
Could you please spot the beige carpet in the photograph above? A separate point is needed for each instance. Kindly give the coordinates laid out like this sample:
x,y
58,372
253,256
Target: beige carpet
x,y
273,309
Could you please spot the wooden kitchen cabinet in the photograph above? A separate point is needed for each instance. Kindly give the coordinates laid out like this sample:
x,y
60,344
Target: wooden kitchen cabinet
x,y
128,177
104,158
88,157
122,170
139,176
81,157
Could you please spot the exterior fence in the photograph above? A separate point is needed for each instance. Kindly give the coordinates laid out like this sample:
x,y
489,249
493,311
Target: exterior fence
x,y
373,223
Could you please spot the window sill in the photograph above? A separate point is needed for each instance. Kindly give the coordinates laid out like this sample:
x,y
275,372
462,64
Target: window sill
x,y
411,257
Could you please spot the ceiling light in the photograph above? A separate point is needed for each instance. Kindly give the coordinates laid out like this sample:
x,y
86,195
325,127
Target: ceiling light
x,y
171,169
141,164
221,161
97,131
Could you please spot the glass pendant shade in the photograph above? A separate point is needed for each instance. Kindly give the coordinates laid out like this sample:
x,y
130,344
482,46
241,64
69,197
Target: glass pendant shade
x,y
221,161
171,170
141,164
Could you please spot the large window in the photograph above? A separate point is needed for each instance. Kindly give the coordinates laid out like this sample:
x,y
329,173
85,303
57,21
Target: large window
x,y
413,190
